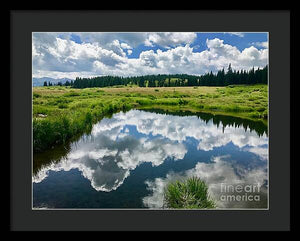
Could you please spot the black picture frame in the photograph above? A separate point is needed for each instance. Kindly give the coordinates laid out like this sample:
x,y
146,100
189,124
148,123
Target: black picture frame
x,y
23,23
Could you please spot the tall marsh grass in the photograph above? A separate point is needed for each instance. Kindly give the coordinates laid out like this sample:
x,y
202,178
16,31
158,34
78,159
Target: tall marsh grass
x,y
189,194
55,130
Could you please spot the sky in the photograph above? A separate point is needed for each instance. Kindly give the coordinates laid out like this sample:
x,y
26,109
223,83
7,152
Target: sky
x,y
87,54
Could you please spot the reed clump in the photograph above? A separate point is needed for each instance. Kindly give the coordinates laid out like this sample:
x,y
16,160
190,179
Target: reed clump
x,y
191,193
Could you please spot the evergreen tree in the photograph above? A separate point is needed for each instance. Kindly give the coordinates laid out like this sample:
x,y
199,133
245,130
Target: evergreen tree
x,y
220,78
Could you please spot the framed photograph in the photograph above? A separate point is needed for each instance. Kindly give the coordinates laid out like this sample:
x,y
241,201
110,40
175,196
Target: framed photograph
x,y
176,125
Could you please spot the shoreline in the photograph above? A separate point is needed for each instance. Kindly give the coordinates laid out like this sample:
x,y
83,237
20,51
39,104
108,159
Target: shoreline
x,y
60,113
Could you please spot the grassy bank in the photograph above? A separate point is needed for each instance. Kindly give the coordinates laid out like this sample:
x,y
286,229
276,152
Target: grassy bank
x,y
60,113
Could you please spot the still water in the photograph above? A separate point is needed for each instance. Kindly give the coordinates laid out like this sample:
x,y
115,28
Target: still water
x,y
128,159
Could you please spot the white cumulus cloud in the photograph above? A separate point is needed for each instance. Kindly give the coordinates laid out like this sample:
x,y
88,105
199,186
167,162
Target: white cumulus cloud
x,y
58,55
216,173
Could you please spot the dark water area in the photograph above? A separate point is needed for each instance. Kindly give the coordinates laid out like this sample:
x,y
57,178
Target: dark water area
x,y
128,159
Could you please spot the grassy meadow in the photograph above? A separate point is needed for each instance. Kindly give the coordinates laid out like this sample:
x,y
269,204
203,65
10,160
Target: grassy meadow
x,y
60,112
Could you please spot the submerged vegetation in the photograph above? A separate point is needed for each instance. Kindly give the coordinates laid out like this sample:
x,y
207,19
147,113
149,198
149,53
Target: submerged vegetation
x,y
62,112
189,194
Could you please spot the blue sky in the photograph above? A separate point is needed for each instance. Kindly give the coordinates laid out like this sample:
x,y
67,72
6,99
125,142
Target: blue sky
x,y
240,42
59,55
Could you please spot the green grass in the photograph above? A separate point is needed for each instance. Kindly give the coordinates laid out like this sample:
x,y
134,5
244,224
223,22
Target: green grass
x,y
59,112
189,194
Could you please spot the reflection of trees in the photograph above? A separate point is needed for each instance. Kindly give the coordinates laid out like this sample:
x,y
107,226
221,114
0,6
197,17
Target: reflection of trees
x,y
60,151
56,154
50,156
258,126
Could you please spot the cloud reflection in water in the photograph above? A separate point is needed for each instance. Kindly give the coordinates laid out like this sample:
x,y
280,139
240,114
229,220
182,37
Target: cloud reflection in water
x,y
216,173
118,145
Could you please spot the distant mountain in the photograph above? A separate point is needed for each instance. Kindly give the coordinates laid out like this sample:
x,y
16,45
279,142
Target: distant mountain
x,y
40,81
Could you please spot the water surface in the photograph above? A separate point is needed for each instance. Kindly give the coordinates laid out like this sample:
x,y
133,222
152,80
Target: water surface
x,y
127,160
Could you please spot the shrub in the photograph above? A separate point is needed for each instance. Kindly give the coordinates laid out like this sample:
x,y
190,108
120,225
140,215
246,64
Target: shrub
x,y
261,109
265,114
41,110
71,93
212,107
182,102
255,114
151,97
200,106
144,101
62,106
136,95
191,193
36,95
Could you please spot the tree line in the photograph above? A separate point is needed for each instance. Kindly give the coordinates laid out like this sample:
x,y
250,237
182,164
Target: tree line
x,y
221,78
67,83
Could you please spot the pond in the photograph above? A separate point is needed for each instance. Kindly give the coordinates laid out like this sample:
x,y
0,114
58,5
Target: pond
x,y
127,161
